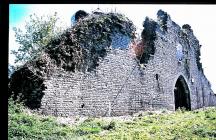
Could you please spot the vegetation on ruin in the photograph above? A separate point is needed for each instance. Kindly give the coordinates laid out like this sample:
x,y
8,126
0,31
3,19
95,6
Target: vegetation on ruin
x,y
197,124
78,48
148,36
83,45
162,19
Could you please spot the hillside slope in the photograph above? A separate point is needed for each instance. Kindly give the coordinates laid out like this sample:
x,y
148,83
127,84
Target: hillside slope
x,y
198,124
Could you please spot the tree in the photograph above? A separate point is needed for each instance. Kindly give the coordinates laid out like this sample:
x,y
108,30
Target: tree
x,y
39,32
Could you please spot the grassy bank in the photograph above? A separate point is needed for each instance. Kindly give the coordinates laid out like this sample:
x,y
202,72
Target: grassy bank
x,y
198,124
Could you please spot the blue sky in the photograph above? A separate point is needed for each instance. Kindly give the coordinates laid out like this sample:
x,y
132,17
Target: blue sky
x,y
17,13
201,18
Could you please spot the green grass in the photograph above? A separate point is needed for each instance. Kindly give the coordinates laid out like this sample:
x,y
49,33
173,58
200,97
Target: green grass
x,y
179,125
24,126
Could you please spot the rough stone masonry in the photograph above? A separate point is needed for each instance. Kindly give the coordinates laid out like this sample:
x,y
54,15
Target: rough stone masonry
x,y
98,68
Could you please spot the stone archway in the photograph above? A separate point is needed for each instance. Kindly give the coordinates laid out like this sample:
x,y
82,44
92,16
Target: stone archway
x,y
182,94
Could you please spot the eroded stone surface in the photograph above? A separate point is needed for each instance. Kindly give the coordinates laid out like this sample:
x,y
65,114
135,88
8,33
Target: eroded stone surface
x,y
121,84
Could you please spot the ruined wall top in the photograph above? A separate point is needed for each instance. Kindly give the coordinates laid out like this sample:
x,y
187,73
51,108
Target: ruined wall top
x,y
81,47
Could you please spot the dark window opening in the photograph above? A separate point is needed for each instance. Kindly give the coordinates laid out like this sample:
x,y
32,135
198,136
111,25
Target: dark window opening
x,y
156,76
182,94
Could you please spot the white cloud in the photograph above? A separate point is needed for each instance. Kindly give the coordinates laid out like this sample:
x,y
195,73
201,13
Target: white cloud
x,y
13,45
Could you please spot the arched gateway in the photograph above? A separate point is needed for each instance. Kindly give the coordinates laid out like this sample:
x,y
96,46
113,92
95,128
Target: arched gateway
x,y
182,94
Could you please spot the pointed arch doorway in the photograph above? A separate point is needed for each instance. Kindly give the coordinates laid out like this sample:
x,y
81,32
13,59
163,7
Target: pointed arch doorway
x,y
182,94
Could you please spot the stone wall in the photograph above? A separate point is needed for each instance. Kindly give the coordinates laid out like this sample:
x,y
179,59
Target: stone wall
x,y
121,86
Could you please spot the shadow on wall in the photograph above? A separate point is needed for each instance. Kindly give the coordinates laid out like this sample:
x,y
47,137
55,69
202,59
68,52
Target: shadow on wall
x,y
26,87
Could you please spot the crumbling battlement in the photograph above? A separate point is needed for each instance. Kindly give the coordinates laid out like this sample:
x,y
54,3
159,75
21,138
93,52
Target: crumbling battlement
x,y
96,68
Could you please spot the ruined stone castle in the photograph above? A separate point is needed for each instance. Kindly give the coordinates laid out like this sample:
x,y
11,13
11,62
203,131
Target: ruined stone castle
x,y
99,68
